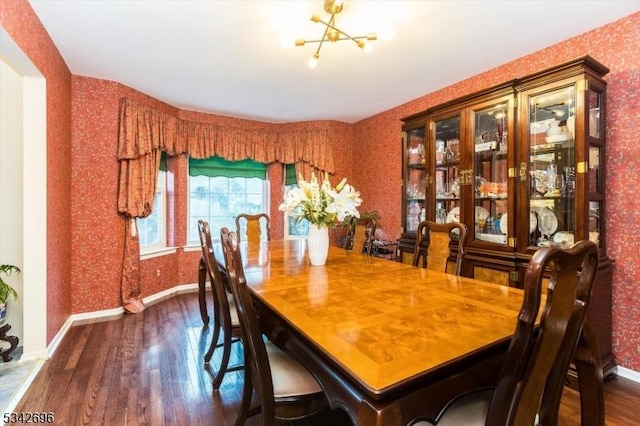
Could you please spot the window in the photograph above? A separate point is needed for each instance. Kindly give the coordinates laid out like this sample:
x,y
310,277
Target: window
x,y
152,229
293,229
220,189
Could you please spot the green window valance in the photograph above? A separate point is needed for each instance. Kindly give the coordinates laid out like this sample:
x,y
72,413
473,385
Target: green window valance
x,y
290,177
163,161
218,166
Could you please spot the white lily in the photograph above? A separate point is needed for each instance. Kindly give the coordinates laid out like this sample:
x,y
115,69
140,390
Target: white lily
x,y
319,203
344,202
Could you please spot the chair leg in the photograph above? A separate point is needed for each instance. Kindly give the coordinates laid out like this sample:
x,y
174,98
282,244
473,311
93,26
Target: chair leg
x,y
214,342
202,284
589,369
226,354
247,393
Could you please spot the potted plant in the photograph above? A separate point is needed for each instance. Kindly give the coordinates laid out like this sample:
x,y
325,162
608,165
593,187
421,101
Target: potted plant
x,y
5,289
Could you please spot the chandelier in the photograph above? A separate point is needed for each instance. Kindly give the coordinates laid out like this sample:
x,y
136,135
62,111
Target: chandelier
x,y
333,33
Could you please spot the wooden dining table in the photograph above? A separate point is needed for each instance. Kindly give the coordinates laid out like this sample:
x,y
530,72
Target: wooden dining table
x,y
390,343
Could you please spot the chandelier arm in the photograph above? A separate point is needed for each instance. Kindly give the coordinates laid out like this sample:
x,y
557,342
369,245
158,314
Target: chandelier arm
x,y
324,36
340,39
330,25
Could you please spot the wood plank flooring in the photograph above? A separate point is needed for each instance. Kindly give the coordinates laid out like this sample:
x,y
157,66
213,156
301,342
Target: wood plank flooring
x,y
148,369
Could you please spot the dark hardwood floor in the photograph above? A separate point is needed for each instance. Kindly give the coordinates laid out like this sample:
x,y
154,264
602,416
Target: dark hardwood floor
x,y
148,369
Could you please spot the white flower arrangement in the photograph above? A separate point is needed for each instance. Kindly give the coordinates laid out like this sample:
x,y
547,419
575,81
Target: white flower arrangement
x,y
321,204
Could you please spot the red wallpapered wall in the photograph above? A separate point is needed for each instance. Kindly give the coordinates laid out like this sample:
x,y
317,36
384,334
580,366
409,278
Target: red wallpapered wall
x,y
84,275
618,47
22,24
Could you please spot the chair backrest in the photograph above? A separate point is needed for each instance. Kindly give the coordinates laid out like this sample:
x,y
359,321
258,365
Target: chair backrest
x,y
533,375
433,245
255,352
254,225
360,235
221,303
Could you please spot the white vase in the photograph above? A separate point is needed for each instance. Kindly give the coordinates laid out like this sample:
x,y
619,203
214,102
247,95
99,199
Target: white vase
x,y
318,244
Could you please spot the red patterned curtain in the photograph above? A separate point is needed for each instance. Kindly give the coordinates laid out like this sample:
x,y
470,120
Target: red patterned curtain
x,y
143,133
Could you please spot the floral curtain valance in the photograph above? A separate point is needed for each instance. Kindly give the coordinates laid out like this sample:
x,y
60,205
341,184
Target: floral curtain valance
x,y
144,133
143,129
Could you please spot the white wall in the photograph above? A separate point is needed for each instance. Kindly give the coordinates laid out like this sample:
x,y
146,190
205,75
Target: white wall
x,y
11,187
23,192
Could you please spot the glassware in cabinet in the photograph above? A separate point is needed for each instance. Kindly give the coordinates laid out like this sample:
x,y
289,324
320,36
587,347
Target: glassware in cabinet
x,y
447,170
552,167
492,126
415,177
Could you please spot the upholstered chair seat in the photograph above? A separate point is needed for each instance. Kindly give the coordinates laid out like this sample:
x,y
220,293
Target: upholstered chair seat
x,y
290,379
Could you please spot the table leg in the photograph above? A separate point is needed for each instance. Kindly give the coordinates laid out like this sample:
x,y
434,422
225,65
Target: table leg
x,y
13,341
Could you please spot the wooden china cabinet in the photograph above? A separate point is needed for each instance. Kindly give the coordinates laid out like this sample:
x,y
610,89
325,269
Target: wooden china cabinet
x,y
521,164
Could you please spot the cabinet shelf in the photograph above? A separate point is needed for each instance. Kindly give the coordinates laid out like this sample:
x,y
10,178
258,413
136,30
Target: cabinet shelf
x,y
491,155
554,198
419,166
491,198
444,166
551,147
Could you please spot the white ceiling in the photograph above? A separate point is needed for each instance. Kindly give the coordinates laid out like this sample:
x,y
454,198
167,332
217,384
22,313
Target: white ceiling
x,y
225,57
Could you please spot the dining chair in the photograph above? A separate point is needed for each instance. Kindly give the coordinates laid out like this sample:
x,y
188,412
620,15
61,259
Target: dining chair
x,y
530,384
433,245
285,389
360,235
253,225
225,315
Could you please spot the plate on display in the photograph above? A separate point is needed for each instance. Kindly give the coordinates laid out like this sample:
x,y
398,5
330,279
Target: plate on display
x,y
533,223
543,214
454,214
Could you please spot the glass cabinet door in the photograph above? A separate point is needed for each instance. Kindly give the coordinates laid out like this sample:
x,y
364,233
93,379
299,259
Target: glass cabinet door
x,y
490,172
415,178
552,167
446,179
595,177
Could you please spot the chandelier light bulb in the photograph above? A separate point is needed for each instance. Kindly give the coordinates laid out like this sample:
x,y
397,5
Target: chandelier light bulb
x,y
337,6
313,61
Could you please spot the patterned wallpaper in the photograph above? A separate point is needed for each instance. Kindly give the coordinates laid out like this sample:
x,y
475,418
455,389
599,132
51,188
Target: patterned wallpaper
x,y
22,24
84,274
618,47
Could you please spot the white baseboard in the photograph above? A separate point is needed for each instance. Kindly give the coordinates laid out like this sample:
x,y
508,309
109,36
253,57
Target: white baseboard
x,y
104,315
628,374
